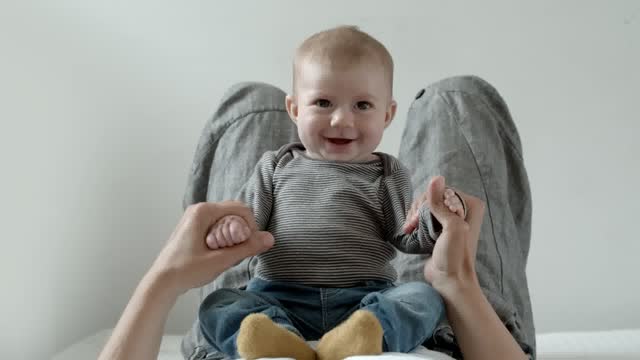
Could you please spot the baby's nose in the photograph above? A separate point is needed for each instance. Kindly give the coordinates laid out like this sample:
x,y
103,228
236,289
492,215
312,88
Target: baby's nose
x,y
342,119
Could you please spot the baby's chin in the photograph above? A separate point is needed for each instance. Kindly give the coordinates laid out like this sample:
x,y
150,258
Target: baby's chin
x,y
346,157
339,150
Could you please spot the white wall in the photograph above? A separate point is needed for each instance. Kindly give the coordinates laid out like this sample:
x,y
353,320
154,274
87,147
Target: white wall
x,y
102,104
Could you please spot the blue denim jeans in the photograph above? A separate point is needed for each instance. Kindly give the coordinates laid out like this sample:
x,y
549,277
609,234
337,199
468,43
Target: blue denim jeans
x,y
408,313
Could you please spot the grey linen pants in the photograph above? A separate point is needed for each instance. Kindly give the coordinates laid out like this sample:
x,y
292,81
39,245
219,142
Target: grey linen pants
x,y
459,127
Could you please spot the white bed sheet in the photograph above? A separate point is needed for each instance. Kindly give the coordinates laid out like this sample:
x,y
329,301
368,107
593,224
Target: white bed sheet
x,y
89,348
592,345
601,345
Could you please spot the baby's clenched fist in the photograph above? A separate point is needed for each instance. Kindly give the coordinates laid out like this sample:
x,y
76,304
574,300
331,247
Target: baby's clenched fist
x,y
453,202
228,231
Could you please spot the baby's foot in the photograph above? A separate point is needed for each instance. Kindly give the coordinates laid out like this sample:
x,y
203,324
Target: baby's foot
x,y
259,337
455,203
360,334
228,231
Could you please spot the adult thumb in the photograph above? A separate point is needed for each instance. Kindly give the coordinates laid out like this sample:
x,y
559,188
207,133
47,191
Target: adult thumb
x,y
259,242
264,241
435,199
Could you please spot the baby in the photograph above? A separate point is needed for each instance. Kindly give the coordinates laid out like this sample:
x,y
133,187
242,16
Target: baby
x,y
336,210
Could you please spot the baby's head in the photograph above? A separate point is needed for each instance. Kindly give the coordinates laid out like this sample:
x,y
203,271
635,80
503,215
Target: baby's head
x,y
342,94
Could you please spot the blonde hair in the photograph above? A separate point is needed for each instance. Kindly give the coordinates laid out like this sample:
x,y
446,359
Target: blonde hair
x,y
342,47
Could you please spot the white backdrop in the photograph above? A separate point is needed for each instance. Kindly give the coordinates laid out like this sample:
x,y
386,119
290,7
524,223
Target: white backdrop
x,y
102,104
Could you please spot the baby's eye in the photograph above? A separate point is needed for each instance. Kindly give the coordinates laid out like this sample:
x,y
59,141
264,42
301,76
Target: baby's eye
x,y
364,105
323,103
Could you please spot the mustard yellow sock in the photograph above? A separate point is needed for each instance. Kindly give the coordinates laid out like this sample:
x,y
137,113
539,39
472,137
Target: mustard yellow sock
x,y
260,337
360,334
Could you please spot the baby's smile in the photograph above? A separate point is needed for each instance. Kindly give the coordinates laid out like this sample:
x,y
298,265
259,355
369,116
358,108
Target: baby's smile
x,y
341,112
339,141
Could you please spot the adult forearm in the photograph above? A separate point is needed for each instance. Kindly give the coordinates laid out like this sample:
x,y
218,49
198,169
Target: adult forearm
x,y
139,331
479,331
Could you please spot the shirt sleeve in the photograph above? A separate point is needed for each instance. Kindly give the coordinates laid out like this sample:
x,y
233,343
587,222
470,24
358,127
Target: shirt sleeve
x,y
257,193
396,202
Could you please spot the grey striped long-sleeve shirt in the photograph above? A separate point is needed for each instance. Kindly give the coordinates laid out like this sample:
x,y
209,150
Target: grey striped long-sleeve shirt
x,y
335,224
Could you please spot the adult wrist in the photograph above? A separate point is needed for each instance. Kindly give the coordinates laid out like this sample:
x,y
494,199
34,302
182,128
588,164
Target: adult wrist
x,y
162,282
454,286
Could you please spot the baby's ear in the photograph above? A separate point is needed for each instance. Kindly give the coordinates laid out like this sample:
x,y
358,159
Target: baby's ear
x,y
292,107
391,113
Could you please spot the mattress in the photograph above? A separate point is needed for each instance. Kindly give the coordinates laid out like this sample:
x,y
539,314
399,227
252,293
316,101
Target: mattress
x,y
600,345
595,345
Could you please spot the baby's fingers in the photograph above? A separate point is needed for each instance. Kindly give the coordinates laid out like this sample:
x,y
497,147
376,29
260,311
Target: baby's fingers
x,y
215,238
453,201
239,231
410,225
222,237
413,215
211,240
226,232
457,209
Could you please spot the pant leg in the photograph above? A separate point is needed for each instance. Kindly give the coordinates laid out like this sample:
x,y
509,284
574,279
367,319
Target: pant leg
x,y
301,303
338,304
222,312
461,128
250,119
408,313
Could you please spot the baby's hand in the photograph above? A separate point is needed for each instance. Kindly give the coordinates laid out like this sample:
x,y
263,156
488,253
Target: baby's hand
x,y
451,200
228,231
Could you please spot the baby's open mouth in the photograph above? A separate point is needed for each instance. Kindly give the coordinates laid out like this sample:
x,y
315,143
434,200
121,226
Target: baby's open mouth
x,y
339,141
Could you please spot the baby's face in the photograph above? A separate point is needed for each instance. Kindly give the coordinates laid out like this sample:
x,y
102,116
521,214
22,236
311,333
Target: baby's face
x,y
341,114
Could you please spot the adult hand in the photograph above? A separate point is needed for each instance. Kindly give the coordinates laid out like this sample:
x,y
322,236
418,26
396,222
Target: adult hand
x,y
451,271
453,201
453,261
187,260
